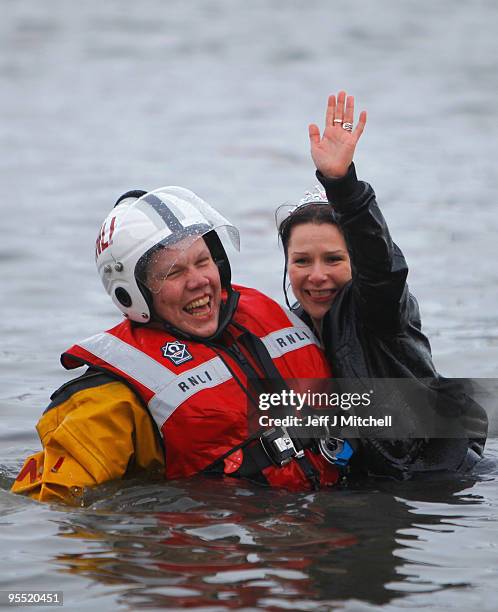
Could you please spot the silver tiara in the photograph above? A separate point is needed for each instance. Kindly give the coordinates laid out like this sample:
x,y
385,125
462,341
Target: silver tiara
x,y
317,194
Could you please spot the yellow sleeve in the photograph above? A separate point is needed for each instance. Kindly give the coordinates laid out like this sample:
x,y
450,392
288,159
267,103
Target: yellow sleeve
x,y
95,435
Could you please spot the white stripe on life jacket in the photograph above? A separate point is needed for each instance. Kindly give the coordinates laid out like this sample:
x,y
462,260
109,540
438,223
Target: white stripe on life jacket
x,y
297,322
129,359
289,339
205,376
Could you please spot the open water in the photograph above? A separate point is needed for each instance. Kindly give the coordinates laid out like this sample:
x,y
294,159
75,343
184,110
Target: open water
x,y
98,98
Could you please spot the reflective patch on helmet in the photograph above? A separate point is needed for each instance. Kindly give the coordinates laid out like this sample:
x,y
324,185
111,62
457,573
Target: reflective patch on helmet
x,y
176,352
233,461
102,242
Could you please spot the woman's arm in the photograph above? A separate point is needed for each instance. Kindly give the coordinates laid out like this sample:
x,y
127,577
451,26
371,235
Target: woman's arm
x,y
378,267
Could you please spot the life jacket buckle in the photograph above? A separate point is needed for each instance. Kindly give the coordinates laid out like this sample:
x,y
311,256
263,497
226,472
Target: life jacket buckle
x,y
279,446
335,450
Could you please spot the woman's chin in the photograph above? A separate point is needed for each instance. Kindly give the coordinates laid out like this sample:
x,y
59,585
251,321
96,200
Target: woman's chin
x,y
316,311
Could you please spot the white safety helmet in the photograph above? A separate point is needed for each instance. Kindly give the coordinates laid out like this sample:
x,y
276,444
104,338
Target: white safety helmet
x,y
141,223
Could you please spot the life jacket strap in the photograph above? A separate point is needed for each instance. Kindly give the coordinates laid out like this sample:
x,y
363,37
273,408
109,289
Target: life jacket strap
x,y
266,448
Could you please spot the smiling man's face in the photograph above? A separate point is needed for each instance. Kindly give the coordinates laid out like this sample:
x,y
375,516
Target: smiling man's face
x,y
186,288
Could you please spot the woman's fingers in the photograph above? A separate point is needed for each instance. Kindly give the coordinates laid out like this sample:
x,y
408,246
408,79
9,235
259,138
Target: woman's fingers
x,y
361,125
349,112
329,116
339,109
314,133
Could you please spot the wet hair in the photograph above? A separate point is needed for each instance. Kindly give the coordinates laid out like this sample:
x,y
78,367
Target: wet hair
x,y
315,212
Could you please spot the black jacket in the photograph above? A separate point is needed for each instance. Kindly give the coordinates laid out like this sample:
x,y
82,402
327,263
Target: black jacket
x,y
373,330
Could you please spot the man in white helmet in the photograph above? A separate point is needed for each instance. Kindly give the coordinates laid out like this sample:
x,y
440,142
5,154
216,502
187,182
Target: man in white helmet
x,y
167,390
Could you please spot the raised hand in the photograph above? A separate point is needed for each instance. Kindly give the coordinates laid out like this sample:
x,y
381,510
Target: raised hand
x,y
333,152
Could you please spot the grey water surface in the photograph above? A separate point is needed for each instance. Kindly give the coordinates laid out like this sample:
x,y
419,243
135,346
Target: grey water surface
x,y
215,95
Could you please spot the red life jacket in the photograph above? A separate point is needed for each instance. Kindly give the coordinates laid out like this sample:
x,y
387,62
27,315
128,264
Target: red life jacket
x,y
193,391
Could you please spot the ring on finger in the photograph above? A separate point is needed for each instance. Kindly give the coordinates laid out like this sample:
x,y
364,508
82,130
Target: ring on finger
x,y
337,120
347,126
